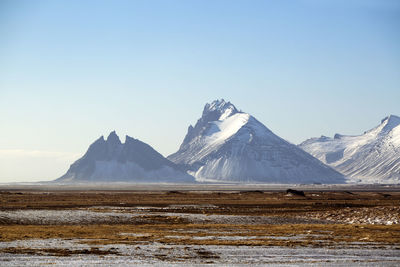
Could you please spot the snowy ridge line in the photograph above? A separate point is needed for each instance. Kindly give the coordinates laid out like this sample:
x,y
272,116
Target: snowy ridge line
x,y
372,157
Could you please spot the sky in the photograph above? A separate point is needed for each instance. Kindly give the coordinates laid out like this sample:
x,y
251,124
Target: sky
x,y
71,71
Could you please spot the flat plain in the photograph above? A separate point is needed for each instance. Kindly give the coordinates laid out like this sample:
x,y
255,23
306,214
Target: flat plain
x,y
169,225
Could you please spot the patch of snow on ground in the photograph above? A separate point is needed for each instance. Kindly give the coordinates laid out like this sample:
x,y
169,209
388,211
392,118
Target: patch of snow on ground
x,y
169,255
83,216
373,215
63,216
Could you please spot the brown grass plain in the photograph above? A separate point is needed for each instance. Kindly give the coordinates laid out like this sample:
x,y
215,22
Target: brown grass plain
x,y
162,221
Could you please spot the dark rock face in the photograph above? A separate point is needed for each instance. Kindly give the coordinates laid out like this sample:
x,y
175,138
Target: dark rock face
x,y
295,192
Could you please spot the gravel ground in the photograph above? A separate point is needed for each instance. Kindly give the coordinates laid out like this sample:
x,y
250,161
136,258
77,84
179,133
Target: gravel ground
x,y
39,251
50,217
168,255
374,215
76,216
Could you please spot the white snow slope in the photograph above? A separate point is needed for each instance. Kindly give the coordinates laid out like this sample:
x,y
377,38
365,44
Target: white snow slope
x,y
230,145
373,157
134,161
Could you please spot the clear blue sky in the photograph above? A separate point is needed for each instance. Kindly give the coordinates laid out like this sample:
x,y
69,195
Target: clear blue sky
x,y
71,71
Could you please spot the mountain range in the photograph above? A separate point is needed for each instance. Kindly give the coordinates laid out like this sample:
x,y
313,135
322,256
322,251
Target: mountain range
x,y
229,145
372,157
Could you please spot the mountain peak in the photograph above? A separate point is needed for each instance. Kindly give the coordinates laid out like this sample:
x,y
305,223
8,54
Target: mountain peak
x,y
219,104
218,110
135,161
230,145
113,138
390,122
391,118
129,139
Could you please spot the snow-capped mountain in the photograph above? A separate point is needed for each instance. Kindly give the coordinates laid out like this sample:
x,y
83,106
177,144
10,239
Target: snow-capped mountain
x,y
229,145
134,161
373,157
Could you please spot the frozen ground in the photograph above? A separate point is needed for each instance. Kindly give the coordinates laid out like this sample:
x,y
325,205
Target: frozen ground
x,y
62,217
376,215
130,215
192,228
167,255
38,252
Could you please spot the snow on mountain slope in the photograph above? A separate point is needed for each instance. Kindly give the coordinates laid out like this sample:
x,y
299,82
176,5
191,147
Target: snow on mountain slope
x,y
373,157
230,145
134,161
